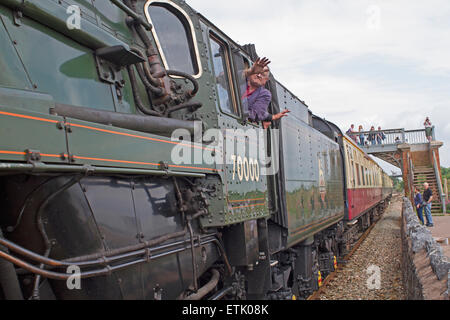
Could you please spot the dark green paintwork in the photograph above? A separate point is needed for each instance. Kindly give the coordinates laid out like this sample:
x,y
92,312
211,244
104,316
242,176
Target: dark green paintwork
x,y
313,170
26,100
19,134
236,192
67,70
13,74
119,146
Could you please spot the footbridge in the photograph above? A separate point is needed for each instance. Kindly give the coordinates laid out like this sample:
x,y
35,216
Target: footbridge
x,y
411,151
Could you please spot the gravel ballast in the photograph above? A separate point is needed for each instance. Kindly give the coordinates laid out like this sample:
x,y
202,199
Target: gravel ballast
x,y
374,271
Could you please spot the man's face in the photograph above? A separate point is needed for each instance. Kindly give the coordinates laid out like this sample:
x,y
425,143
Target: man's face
x,y
425,185
260,79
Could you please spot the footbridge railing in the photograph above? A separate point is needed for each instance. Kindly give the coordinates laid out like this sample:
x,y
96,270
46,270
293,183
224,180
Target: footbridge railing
x,y
390,137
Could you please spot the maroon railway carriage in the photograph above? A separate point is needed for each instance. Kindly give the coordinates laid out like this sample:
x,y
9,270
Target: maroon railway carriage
x,y
367,184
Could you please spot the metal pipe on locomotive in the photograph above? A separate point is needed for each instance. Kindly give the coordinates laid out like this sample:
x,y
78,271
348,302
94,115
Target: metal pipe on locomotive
x,y
88,177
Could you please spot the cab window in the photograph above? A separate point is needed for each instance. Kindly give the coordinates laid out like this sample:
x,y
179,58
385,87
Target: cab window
x,y
174,36
241,64
222,71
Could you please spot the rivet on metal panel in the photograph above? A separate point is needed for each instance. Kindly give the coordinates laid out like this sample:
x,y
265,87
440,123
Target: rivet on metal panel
x,y
164,165
60,125
140,236
33,156
18,15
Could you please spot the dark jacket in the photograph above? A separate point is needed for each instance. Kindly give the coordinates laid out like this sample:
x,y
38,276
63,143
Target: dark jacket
x,y
418,199
427,194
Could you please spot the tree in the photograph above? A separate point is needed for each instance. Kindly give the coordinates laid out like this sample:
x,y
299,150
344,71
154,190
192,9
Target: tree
x,y
445,173
399,184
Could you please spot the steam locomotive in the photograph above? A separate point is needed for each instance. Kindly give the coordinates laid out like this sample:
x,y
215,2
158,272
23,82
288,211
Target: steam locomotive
x,y
129,168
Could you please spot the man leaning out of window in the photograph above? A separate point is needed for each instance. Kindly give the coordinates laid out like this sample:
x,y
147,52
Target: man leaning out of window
x,y
258,96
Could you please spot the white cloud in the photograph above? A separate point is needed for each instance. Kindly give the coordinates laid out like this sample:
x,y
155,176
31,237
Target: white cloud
x,y
348,65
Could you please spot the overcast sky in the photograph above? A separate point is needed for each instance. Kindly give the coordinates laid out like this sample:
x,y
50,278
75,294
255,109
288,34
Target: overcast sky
x,y
379,62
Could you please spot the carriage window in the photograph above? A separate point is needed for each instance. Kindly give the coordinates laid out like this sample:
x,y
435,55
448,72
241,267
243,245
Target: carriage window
x,y
363,173
359,174
351,173
350,165
175,38
220,59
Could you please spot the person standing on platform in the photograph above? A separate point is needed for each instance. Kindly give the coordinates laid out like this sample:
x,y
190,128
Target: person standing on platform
x,y
380,136
427,199
372,136
361,136
351,133
428,129
418,200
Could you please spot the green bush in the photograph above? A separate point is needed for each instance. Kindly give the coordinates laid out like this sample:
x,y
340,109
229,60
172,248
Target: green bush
x,y
445,173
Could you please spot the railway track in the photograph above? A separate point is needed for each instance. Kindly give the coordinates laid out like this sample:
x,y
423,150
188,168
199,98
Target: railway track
x,y
331,276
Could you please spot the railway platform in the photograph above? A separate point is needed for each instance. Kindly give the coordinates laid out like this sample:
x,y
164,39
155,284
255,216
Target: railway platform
x,y
386,266
441,232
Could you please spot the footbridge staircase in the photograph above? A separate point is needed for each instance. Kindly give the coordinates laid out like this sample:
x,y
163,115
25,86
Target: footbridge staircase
x,y
415,154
